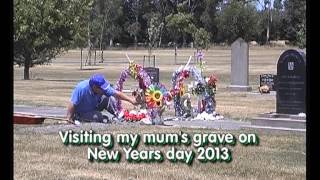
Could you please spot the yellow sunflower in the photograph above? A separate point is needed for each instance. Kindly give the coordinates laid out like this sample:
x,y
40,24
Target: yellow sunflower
x,y
182,90
154,96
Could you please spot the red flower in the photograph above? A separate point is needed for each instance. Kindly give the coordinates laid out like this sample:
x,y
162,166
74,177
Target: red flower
x,y
185,73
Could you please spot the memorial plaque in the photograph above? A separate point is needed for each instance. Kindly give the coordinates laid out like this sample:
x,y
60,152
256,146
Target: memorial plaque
x,y
153,73
291,82
269,80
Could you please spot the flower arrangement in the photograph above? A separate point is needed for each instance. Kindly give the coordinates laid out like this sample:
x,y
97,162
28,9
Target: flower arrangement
x,y
204,89
178,89
264,89
138,73
134,115
153,97
208,88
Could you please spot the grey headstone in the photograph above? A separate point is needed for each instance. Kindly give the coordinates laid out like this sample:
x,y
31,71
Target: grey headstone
x,y
291,82
240,66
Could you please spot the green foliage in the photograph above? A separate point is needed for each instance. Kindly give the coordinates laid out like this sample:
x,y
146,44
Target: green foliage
x,y
202,39
301,36
178,24
237,20
208,17
43,29
154,29
104,21
295,16
134,29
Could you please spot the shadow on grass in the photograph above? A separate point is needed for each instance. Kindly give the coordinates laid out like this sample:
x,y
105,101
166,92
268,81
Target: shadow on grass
x,y
89,69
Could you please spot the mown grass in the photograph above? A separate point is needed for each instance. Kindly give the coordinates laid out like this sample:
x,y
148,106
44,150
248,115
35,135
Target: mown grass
x,y
51,85
42,155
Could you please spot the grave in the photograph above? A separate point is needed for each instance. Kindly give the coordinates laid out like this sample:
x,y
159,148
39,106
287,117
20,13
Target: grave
x,y
291,84
268,80
267,83
240,66
290,95
153,73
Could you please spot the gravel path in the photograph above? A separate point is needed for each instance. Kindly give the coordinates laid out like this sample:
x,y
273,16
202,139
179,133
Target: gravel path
x,y
224,124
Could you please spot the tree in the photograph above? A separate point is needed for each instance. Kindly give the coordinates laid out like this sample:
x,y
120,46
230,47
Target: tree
x,y
113,18
277,24
43,29
237,19
178,24
154,29
163,9
201,39
295,17
301,35
267,9
134,28
208,17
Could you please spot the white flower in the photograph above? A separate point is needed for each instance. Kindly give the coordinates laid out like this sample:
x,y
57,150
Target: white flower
x,y
133,112
144,111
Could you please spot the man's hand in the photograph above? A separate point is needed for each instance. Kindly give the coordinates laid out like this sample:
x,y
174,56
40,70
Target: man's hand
x,y
70,112
122,96
134,102
70,121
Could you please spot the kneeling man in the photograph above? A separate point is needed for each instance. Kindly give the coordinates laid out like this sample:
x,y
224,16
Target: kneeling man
x,y
92,96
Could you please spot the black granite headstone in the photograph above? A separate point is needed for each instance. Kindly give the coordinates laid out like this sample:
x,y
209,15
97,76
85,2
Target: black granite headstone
x,y
269,80
291,82
153,73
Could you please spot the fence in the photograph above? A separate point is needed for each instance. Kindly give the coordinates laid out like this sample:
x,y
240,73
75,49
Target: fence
x,y
159,56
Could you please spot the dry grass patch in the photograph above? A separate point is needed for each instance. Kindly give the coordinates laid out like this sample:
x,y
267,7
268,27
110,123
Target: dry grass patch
x,y
52,84
43,156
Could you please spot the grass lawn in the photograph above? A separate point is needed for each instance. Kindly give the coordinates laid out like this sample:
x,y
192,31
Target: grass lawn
x,y
51,85
40,154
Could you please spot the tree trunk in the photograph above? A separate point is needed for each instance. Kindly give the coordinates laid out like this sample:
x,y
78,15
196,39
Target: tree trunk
x,y
26,69
101,34
149,52
268,31
135,41
159,44
268,28
175,53
160,38
81,59
110,42
89,46
184,41
269,23
135,35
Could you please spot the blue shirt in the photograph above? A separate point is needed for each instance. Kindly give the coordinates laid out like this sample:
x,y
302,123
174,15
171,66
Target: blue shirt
x,y
84,99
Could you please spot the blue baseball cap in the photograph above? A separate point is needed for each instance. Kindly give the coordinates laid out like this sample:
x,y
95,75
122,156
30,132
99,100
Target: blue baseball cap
x,y
98,80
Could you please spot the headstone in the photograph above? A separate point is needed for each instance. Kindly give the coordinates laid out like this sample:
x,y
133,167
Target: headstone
x,y
291,82
269,80
240,66
153,73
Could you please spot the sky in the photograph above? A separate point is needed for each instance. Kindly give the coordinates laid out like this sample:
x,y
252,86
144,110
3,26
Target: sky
x,y
259,6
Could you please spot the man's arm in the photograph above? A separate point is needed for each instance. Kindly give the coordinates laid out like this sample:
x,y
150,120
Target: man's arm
x,y
70,111
122,96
